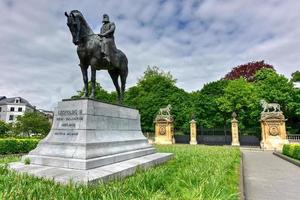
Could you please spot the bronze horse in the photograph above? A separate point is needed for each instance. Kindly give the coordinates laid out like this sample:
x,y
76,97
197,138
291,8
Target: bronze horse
x,y
89,53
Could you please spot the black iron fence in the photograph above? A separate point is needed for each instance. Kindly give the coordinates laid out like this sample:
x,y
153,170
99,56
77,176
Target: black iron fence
x,y
221,136
218,136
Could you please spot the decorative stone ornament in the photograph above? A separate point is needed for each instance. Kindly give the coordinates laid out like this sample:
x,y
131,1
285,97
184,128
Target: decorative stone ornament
x,y
273,130
234,131
164,129
193,132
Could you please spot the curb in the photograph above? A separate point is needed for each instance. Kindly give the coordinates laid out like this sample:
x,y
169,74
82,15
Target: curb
x,y
242,182
284,157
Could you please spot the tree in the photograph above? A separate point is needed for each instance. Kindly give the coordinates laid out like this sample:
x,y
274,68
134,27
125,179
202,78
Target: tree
x,y
247,71
32,122
205,107
4,127
240,96
100,94
274,88
156,89
296,76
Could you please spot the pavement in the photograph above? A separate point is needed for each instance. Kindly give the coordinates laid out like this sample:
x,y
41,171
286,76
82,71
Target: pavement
x,y
268,177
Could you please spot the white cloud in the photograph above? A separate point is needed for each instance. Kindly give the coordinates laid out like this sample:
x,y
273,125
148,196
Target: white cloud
x,y
198,41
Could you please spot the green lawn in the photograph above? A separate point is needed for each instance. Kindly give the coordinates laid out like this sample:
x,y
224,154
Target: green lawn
x,y
196,172
8,159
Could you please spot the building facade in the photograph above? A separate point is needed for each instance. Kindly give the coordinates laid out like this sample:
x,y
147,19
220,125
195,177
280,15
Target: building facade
x,y
11,108
48,114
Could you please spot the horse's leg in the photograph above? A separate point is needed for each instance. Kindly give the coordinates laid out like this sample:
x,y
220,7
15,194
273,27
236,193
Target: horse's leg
x,y
85,79
93,80
123,83
114,76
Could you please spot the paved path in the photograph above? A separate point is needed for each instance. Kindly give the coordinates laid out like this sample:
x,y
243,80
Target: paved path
x,y
268,177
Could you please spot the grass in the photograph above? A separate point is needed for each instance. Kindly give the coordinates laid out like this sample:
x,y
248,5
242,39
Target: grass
x,y
196,172
9,158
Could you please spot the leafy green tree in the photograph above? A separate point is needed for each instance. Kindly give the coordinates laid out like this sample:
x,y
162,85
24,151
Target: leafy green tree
x,y
240,96
4,127
296,76
100,94
157,89
205,107
32,122
275,88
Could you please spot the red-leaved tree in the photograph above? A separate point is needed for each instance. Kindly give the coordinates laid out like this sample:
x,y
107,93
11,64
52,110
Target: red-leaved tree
x,y
247,70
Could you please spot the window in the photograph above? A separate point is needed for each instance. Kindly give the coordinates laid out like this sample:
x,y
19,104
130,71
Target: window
x,y
20,109
17,100
12,109
0,109
11,117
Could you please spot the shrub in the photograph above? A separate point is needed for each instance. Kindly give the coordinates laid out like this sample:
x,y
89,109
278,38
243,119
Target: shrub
x,y
297,152
27,161
292,150
15,146
285,149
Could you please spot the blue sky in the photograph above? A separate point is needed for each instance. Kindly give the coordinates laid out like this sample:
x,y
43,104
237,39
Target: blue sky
x,y
197,41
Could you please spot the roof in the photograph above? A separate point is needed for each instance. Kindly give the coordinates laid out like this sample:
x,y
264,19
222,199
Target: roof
x,y
11,100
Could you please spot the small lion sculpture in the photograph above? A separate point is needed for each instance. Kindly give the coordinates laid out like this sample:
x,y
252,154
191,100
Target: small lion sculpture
x,y
267,106
165,111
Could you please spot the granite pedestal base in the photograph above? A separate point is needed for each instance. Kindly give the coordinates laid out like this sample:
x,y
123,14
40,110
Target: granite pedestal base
x,y
88,134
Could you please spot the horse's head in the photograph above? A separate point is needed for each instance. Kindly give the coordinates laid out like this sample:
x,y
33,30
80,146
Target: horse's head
x,y
73,22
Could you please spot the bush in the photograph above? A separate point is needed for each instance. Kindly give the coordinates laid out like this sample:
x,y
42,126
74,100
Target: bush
x,y
296,154
285,149
292,150
15,146
27,161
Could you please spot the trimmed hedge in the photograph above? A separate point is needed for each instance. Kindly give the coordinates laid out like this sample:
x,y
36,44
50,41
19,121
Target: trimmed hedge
x,y
16,146
291,150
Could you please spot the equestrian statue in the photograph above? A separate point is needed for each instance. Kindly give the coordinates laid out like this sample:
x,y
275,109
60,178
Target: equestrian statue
x,y
98,51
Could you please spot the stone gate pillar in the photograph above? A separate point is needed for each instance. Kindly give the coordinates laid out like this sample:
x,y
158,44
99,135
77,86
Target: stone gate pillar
x,y
193,132
234,131
273,131
164,130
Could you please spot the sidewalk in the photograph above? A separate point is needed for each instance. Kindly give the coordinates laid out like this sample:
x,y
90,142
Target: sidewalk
x,y
268,177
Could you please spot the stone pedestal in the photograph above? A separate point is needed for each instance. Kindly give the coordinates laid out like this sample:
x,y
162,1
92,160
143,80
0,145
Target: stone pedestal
x,y
273,131
87,135
164,130
235,133
193,132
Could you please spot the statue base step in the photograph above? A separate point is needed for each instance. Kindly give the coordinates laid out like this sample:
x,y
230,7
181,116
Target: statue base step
x,y
100,174
88,163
